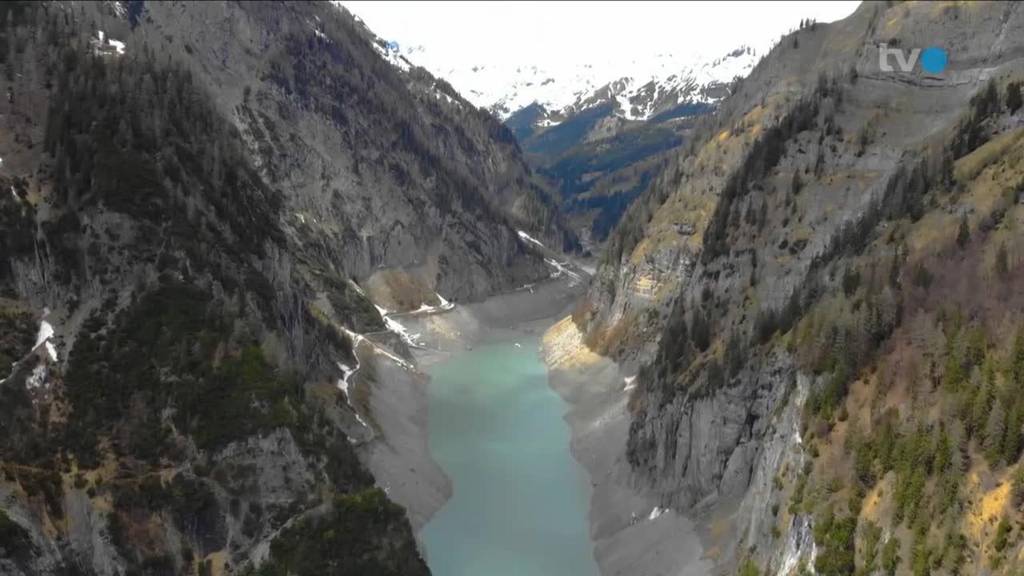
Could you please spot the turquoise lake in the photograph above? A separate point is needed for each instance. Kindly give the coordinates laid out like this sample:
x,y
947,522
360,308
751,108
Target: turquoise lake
x,y
520,500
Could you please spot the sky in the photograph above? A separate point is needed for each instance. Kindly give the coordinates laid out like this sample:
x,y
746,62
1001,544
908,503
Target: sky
x,y
462,34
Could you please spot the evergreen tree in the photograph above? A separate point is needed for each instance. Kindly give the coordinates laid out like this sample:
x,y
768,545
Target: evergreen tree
x,y
1013,97
981,403
1002,261
1017,361
963,235
891,556
700,330
994,430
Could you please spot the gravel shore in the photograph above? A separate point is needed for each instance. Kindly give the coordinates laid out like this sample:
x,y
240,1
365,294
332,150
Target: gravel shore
x,y
631,535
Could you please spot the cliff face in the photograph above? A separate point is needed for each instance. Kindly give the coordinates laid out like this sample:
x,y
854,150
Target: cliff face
x,y
368,153
797,285
200,201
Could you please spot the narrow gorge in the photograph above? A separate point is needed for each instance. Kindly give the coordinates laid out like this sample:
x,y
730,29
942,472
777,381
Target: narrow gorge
x,y
275,300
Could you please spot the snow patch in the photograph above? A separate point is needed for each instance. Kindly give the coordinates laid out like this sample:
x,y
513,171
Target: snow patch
x,y
445,305
527,238
442,307
37,378
43,338
562,269
357,339
104,45
346,373
565,86
119,9
409,338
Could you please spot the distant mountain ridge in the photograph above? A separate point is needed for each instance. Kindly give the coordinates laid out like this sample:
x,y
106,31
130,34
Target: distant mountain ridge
x,y
593,130
640,88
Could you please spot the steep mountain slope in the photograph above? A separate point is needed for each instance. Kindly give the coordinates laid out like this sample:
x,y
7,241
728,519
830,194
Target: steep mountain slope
x,y
202,204
595,130
819,298
601,149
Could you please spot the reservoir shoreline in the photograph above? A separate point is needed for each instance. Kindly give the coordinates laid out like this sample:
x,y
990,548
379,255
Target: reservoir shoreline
x,y
629,531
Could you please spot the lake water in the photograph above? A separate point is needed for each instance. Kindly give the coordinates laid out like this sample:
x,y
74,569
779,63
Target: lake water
x,y
519,506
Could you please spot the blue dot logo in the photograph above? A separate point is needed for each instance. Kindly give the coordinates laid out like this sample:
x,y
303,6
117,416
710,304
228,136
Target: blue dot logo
x,y
934,60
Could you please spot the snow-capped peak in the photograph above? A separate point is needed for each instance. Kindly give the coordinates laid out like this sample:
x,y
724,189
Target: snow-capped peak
x,y
641,87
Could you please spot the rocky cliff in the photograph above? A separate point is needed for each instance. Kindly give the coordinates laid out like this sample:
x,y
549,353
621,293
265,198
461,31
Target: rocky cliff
x,y
817,295
202,204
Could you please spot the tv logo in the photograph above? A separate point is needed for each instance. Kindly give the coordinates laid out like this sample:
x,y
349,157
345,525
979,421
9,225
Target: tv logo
x,y
933,59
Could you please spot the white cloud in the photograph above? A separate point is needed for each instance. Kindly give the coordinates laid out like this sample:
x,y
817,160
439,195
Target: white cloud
x,y
482,33
514,52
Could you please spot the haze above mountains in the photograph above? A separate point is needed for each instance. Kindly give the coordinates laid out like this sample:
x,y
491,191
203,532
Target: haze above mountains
x,y
506,56
598,98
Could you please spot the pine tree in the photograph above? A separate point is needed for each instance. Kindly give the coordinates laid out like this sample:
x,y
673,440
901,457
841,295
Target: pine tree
x,y
1002,261
980,404
700,330
891,555
1013,97
995,428
963,235
1011,438
1017,361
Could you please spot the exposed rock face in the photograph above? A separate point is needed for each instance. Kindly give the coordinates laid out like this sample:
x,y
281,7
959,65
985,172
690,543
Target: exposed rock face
x,y
602,149
368,155
195,197
819,158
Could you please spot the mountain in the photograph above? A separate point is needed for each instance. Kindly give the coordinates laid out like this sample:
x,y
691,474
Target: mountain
x,y
594,130
815,309
640,88
209,209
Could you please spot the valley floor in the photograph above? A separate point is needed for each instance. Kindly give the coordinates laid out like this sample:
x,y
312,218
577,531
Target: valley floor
x,y
630,532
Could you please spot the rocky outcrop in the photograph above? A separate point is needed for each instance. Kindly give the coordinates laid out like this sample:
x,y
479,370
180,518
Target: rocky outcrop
x,y
817,155
195,196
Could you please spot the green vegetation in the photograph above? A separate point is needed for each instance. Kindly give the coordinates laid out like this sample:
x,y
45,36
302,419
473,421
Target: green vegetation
x,y
834,537
908,319
749,568
17,334
1013,97
162,352
14,541
362,533
149,144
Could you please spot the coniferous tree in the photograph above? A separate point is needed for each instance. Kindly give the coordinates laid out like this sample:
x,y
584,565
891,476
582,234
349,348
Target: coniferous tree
x,y
1002,261
1013,97
891,556
700,330
963,234
994,430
